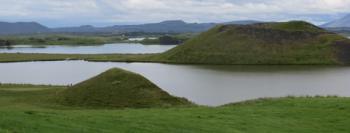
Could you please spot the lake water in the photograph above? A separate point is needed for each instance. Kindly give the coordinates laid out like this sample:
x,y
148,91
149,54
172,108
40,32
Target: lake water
x,y
205,85
141,38
118,48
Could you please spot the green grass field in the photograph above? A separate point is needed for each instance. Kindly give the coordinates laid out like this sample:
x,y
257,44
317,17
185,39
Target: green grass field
x,y
23,108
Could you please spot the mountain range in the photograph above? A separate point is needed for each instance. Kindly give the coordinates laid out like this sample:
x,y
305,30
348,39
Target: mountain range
x,y
22,27
342,22
171,26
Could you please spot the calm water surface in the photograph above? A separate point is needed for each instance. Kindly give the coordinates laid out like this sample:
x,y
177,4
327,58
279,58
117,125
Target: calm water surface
x,y
205,85
118,48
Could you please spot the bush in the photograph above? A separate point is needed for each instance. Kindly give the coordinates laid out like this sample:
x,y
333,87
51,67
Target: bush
x,y
5,43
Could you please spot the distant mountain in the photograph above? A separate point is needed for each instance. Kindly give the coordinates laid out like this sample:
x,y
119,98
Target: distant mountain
x,y
243,22
83,28
343,22
171,26
22,28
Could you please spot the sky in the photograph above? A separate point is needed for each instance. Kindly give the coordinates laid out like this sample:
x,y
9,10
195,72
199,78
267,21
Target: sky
x,y
58,13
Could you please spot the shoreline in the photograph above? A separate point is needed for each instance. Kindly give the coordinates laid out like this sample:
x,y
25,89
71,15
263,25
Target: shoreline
x,y
127,58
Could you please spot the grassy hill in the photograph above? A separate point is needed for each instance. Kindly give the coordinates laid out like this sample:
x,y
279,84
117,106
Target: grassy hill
x,y
118,88
294,42
23,109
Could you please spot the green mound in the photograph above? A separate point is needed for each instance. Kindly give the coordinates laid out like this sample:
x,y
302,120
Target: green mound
x,y
117,88
291,26
294,42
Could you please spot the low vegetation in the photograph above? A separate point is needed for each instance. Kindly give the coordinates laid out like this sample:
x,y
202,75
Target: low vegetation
x,y
340,30
93,39
5,43
165,40
60,39
24,108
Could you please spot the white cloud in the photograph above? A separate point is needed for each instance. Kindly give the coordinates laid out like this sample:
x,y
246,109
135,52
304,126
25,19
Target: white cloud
x,y
87,11
47,8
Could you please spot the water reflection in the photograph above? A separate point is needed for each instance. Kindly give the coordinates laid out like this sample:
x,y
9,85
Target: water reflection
x,y
118,48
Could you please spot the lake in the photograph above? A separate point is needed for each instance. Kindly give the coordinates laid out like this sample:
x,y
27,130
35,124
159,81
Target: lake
x,y
117,48
204,85
141,38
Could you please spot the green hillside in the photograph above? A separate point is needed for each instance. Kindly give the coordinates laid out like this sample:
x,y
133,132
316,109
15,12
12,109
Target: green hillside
x,y
294,42
117,88
23,109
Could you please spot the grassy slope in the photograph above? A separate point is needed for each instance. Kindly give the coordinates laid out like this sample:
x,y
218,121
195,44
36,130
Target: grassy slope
x,y
268,43
26,111
118,88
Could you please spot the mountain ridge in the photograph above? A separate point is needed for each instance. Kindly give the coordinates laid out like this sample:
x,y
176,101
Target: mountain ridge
x,y
342,22
22,28
168,26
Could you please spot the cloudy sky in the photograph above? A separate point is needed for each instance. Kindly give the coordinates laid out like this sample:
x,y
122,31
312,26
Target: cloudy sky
x,y
55,13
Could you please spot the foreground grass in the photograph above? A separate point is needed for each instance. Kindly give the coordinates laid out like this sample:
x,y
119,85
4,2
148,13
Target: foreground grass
x,y
28,111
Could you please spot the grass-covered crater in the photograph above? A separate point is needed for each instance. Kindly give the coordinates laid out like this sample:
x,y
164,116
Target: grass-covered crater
x,y
294,42
117,88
